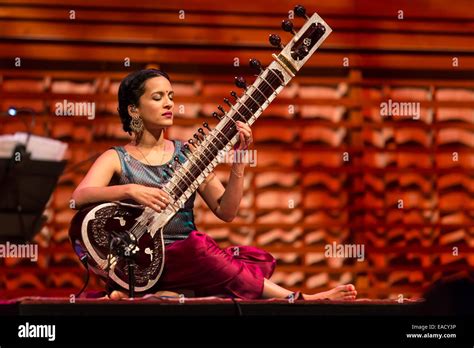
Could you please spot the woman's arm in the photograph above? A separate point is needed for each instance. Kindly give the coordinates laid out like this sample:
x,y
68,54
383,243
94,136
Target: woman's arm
x,y
225,202
94,187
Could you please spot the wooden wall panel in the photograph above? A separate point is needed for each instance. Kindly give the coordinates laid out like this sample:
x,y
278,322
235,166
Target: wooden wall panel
x,y
302,195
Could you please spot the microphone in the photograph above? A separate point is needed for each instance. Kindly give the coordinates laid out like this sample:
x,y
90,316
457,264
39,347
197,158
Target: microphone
x,y
13,111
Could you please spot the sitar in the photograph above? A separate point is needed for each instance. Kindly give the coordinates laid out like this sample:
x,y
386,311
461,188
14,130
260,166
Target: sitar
x,y
125,231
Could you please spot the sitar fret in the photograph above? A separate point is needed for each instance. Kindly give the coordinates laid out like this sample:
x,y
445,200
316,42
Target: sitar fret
x,y
256,98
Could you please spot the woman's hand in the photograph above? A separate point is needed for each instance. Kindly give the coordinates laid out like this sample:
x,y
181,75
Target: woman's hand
x,y
245,136
151,197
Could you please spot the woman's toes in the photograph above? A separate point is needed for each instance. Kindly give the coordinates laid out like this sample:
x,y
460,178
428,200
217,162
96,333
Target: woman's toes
x,y
350,287
117,295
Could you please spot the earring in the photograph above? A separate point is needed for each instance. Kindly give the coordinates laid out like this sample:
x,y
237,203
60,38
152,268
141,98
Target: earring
x,y
136,124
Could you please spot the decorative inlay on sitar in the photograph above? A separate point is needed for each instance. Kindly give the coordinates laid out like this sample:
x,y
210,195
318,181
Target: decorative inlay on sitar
x,y
128,230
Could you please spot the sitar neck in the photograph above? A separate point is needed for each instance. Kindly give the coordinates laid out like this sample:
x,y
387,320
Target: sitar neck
x,y
210,148
214,145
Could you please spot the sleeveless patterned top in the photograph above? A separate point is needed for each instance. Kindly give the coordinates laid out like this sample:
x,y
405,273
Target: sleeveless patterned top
x,y
136,172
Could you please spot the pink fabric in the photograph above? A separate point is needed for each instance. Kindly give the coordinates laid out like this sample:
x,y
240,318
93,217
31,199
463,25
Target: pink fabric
x,y
197,263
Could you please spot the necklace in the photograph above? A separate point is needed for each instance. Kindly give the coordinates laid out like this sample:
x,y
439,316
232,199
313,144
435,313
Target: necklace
x,y
162,154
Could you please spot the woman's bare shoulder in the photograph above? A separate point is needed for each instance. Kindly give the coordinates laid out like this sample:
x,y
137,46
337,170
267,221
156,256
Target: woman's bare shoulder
x,y
110,154
109,158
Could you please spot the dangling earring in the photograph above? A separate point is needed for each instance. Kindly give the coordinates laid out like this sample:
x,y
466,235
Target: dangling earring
x,y
136,125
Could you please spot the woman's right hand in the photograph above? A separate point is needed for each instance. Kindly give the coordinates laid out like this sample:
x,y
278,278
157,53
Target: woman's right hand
x,y
151,197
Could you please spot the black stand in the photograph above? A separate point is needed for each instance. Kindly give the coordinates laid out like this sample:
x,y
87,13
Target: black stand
x,y
125,245
131,278
26,186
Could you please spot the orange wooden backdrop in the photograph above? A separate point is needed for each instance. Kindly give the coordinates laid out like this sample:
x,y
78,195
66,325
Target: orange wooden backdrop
x,y
334,170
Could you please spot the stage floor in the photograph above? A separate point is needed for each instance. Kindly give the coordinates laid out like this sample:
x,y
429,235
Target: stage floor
x,y
214,306
213,320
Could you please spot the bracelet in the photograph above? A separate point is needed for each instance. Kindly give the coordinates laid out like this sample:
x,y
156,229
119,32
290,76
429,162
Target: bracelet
x,y
239,175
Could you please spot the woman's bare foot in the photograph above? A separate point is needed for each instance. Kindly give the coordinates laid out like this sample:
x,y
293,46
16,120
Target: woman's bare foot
x,y
117,295
341,292
167,293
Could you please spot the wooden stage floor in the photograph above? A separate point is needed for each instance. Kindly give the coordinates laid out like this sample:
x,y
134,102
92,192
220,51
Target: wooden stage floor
x,y
204,306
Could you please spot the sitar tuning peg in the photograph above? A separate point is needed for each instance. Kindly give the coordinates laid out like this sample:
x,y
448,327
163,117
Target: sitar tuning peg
x,y
321,29
301,52
197,138
275,40
176,159
227,102
216,115
287,26
300,11
221,109
201,131
191,141
187,150
256,65
206,125
240,82
234,95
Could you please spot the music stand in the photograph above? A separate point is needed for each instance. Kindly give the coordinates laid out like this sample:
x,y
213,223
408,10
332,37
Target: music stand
x,y
25,187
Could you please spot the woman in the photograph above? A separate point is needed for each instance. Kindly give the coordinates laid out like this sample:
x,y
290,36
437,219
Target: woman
x,y
135,172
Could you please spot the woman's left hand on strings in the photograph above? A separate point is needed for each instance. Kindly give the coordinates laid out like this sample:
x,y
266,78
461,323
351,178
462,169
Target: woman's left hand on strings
x,y
245,136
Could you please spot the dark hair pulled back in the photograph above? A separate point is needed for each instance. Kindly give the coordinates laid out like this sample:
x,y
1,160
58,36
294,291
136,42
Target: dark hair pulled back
x,y
131,89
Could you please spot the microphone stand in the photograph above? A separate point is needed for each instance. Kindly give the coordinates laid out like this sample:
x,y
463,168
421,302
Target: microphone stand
x,y
24,156
29,128
125,245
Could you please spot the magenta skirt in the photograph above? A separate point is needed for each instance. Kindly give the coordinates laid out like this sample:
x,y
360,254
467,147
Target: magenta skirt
x,y
198,264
